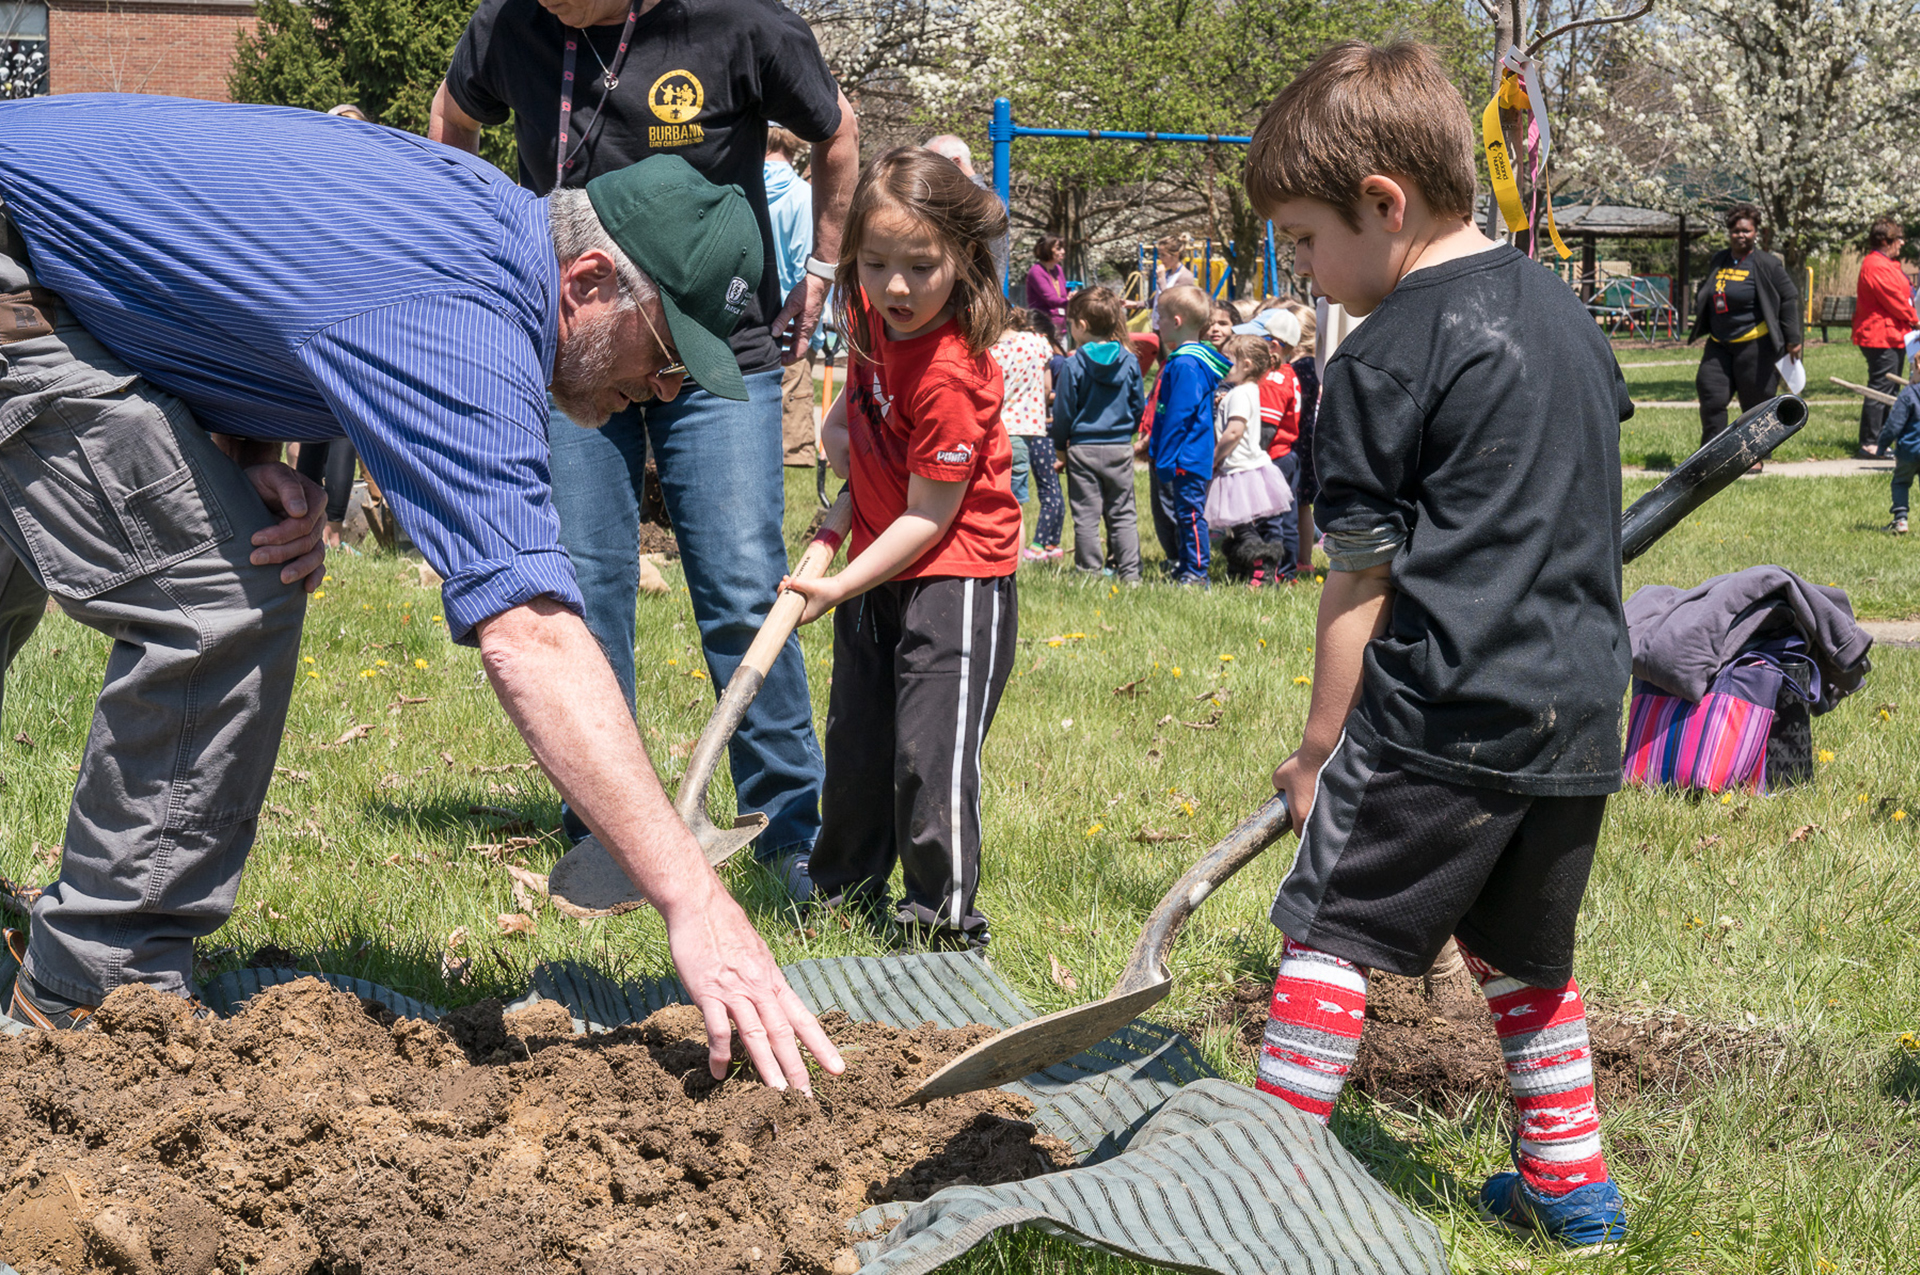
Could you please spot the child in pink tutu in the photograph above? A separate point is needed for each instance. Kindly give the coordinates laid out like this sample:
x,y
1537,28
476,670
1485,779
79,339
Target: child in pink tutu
x,y
1245,484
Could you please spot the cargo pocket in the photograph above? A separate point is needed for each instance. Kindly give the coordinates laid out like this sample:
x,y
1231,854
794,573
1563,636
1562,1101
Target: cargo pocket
x,y
107,488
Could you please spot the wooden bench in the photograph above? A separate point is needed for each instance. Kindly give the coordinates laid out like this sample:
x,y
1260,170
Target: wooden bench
x,y
1835,311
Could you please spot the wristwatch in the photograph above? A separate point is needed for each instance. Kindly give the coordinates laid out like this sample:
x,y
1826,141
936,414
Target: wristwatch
x,y
820,269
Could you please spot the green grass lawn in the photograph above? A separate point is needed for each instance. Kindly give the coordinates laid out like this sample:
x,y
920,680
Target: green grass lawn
x,y
1797,915
1661,437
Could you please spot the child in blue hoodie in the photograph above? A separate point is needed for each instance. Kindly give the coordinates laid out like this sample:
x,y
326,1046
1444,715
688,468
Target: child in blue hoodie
x,y
1902,433
1098,400
1181,447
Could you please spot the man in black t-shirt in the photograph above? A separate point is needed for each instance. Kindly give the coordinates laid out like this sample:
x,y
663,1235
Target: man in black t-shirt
x,y
699,79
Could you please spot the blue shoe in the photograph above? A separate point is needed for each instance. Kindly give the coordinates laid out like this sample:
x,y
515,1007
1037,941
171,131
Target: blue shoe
x,y
1584,1219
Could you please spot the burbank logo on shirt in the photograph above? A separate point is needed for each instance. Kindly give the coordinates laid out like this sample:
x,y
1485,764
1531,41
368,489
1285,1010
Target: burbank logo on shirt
x,y
962,454
677,98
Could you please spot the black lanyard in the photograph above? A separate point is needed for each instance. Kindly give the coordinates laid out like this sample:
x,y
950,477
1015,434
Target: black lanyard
x,y
562,157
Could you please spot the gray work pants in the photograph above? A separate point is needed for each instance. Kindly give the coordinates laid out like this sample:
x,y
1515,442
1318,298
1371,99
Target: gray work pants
x,y
120,506
1100,487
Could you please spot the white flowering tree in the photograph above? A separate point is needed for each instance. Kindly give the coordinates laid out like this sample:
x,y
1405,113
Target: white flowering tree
x,y
1806,107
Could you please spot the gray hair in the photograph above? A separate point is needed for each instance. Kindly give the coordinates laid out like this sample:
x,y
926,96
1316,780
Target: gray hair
x,y
952,147
576,230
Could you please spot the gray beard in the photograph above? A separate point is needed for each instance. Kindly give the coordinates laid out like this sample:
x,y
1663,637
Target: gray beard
x,y
583,368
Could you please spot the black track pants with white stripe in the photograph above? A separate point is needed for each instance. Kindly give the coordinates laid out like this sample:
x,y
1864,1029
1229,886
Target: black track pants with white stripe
x,y
918,668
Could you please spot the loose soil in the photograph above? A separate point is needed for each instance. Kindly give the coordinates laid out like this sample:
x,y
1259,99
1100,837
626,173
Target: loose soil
x,y
315,1134
1433,1043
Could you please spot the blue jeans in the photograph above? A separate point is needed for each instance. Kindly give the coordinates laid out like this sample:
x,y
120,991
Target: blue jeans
x,y
721,474
1021,469
1903,472
1284,529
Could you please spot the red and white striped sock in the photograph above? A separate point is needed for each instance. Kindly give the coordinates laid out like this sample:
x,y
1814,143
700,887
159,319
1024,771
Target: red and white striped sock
x,y
1543,1037
1313,1029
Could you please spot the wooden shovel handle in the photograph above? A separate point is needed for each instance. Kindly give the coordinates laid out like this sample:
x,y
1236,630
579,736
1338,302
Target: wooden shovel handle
x,y
787,609
1148,964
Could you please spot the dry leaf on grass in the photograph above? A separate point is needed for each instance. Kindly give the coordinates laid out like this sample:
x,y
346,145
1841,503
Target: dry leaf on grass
x,y
1062,976
1130,689
265,909
1801,833
515,821
500,770
512,923
528,887
457,970
23,738
349,735
446,757
48,856
1706,843
1163,721
293,776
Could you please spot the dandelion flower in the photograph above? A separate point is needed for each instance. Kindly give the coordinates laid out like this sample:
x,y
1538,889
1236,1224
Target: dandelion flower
x,y
439,619
318,594
420,664
1303,680
1263,644
326,579
1226,659
311,673
1862,799
1095,828
380,664
1176,670
366,672
1899,814
306,659
1726,799
1826,754
672,663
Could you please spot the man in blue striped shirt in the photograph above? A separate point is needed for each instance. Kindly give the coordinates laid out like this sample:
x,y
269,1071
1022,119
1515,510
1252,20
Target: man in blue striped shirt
x,y
171,267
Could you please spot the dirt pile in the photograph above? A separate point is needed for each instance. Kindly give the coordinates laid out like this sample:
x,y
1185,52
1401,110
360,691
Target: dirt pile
x,y
1434,1044
314,1134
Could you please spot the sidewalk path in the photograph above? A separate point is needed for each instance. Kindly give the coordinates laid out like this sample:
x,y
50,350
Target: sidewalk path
x,y
1904,633
1844,468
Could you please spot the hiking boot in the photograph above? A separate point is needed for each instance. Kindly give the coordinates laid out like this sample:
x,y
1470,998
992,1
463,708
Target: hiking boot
x,y
1899,525
32,1004
1588,1219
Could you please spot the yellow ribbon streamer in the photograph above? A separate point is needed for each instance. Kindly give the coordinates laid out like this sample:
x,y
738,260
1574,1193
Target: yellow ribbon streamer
x,y
1512,95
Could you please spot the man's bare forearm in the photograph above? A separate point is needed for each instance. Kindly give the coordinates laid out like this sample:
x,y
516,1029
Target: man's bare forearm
x,y
556,685
1353,612
835,171
447,123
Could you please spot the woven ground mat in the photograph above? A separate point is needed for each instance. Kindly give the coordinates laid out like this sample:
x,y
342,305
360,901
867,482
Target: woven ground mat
x,y
1177,1167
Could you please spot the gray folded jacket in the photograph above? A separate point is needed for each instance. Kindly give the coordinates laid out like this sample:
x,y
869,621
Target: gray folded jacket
x,y
1682,638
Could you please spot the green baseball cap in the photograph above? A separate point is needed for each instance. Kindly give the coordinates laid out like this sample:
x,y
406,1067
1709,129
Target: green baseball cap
x,y
700,245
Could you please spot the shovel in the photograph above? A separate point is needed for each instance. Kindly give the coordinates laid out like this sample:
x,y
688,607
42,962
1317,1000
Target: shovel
x,y
587,882
1040,1043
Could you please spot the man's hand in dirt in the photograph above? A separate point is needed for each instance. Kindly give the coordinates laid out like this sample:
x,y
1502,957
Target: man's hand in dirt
x,y
296,539
729,973
1295,777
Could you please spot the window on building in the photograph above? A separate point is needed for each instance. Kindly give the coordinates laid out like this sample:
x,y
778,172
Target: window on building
x,y
23,49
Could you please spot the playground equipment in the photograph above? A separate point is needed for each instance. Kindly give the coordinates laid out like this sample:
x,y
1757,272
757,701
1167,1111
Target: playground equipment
x,y
1219,284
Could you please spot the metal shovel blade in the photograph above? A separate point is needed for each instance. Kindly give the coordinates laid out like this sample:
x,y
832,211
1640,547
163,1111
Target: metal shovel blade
x,y
1041,1042
587,883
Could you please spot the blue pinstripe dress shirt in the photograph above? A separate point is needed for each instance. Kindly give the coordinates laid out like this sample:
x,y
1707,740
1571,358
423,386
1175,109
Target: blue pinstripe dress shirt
x,y
298,276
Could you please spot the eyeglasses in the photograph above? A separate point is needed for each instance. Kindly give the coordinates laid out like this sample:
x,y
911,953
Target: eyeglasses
x,y
675,368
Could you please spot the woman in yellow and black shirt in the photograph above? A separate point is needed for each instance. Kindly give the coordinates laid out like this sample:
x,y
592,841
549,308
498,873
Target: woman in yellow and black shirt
x,y
1749,311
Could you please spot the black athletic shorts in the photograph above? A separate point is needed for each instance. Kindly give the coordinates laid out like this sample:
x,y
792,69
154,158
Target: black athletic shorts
x,y
1391,863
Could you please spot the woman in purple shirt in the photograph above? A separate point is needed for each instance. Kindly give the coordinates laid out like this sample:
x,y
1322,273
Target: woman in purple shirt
x,y
1047,282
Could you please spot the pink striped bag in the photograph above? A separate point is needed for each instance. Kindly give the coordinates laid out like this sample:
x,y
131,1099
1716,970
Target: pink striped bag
x,y
1717,744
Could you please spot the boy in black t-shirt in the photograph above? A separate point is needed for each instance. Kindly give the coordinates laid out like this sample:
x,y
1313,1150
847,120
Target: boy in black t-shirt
x,y
1472,652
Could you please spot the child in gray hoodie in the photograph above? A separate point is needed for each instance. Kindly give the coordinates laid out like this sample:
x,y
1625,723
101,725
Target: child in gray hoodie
x,y
1098,401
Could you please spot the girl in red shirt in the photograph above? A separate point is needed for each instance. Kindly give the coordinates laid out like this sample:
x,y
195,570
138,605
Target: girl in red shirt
x,y
925,613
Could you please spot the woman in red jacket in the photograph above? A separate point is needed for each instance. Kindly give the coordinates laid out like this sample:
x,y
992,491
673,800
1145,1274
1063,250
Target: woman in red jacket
x,y
1882,317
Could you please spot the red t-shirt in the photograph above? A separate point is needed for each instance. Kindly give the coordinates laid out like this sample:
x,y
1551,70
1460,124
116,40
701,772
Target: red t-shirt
x,y
1280,409
932,407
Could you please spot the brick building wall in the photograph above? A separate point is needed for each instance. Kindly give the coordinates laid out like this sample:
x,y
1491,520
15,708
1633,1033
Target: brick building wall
x,y
180,48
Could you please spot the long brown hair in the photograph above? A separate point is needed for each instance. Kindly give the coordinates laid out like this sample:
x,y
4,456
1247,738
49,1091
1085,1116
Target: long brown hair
x,y
966,220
